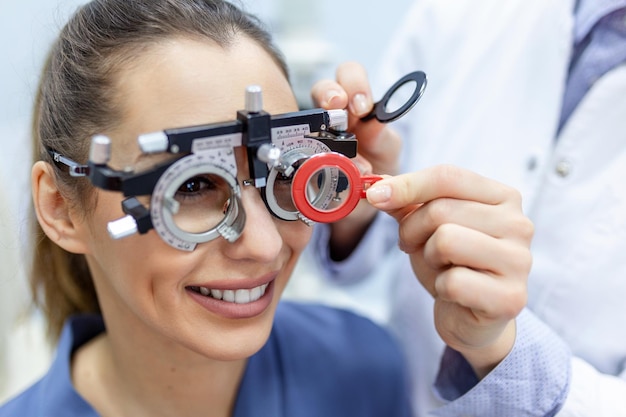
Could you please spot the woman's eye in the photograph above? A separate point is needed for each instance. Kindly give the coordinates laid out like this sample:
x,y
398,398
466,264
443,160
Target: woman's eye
x,y
195,187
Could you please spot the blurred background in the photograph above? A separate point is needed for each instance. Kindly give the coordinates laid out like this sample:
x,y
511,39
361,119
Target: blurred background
x,y
315,37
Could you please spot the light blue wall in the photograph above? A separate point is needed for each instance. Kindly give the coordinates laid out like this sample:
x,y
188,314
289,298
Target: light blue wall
x,y
317,35
26,30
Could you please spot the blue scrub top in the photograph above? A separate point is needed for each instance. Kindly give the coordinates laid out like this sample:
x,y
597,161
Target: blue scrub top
x,y
318,361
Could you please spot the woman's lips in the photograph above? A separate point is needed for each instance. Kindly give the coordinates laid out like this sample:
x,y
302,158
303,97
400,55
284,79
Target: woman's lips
x,y
234,302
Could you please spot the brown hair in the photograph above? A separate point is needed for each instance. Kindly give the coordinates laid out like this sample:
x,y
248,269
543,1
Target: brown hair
x,y
75,101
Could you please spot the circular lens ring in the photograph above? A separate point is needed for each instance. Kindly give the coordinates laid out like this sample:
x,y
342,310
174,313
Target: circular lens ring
x,y
166,188
380,108
313,165
272,201
294,151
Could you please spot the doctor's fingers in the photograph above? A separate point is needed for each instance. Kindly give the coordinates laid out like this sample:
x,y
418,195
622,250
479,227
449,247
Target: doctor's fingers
x,y
476,271
328,94
501,221
401,194
353,77
453,245
478,313
487,299
350,90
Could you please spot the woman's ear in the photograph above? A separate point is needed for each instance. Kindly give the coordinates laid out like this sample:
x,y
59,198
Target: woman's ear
x,y
54,212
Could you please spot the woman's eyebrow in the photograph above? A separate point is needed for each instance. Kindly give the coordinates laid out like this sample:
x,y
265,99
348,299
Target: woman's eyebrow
x,y
147,160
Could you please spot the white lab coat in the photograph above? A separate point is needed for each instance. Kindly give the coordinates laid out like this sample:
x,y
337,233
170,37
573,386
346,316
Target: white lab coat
x,y
496,75
497,71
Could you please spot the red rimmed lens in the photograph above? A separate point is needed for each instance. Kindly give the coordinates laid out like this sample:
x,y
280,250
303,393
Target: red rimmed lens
x,y
328,186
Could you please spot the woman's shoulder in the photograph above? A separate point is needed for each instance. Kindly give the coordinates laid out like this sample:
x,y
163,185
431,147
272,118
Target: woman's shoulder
x,y
54,394
23,404
331,330
337,344
348,360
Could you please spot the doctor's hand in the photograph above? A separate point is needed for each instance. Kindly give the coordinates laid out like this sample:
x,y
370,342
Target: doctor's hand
x,y
469,245
379,146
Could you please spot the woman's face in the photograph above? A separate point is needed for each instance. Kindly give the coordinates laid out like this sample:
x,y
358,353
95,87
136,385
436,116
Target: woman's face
x,y
154,292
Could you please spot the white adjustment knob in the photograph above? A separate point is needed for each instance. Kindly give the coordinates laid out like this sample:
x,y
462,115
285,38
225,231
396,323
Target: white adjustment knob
x,y
269,154
254,99
122,228
153,142
338,119
100,151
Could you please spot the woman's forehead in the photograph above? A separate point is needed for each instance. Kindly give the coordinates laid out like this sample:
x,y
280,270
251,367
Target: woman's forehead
x,y
186,82
189,81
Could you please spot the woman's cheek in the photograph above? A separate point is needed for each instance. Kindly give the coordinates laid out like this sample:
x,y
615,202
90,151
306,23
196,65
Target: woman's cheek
x,y
295,234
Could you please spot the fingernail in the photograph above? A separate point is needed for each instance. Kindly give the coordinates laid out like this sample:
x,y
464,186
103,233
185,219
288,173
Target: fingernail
x,y
378,193
360,104
330,96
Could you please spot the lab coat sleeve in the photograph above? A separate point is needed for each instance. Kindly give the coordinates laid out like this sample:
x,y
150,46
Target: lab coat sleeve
x,y
539,377
593,394
533,380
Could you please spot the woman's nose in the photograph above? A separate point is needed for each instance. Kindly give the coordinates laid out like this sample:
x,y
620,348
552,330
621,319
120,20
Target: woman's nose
x,y
260,239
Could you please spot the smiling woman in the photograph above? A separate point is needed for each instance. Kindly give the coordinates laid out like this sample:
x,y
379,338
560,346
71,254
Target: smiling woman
x,y
145,328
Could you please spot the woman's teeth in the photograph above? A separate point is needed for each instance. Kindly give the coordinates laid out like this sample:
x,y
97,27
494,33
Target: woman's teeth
x,y
241,296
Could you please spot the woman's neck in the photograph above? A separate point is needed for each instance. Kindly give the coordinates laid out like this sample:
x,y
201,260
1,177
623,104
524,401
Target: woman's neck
x,y
119,380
